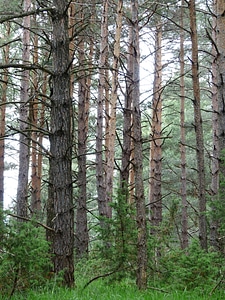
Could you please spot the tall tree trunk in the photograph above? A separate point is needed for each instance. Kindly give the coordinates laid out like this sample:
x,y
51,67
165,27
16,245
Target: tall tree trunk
x,y
2,118
198,128
22,189
60,208
138,156
82,236
214,224
104,210
126,164
220,39
156,141
35,180
184,216
40,140
113,104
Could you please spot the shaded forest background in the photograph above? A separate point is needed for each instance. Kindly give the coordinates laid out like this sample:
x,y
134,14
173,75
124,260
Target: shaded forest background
x,y
112,115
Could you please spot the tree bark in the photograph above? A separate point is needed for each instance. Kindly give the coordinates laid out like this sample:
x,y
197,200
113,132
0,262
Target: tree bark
x,y
126,165
220,60
104,209
184,215
60,210
156,141
82,237
198,128
34,114
5,78
22,189
214,224
138,156
110,151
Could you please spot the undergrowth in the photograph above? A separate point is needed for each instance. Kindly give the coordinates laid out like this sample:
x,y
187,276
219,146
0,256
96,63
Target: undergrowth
x,y
99,290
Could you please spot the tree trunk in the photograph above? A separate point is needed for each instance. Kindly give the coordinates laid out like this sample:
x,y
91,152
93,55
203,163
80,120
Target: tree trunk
x,y
126,165
5,78
35,179
104,210
198,128
214,224
60,208
138,159
113,105
220,39
156,141
22,189
184,216
82,236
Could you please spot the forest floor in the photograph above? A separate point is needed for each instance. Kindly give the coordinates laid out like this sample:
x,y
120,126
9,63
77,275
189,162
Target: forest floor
x,y
99,290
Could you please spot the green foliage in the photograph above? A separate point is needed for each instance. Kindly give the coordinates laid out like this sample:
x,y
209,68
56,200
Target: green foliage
x,y
24,259
101,291
119,236
10,7
191,269
217,212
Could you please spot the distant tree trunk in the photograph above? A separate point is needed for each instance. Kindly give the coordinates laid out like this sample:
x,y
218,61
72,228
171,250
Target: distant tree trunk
x,y
214,224
2,115
198,128
22,189
42,109
156,141
82,236
104,210
184,216
110,151
126,164
4,88
220,39
138,157
35,179
60,210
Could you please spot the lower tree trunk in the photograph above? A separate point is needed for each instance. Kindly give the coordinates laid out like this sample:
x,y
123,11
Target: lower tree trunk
x,y
214,223
220,39
198,128
155,194
82,237
184,215
60,202
138,156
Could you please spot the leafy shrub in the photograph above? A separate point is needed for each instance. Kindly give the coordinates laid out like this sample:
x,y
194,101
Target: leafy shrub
x,y
118,238
193,268
24,258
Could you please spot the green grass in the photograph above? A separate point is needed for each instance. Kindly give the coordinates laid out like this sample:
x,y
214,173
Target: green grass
x,y
99,290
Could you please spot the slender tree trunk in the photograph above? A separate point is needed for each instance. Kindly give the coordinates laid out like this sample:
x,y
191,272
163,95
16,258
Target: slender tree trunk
x,y
82,237
113,104
184,216
215,151
103,208
220,39
126,164
2,118
22,189
156,141
35,180
60,208
40,139
198,128
138,159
